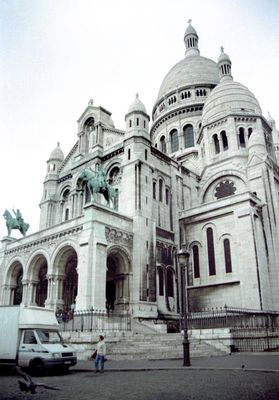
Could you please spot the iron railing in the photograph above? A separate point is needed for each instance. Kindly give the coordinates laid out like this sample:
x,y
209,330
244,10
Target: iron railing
x,y
95,321
232,317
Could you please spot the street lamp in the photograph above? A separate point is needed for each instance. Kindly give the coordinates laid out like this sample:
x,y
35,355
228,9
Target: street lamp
x,y
183,258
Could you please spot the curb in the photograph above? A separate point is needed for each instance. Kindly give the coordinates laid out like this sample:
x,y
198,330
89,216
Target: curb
x,y
179,369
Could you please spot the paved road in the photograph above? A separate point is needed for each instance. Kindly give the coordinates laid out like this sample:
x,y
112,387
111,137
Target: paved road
x,y
249,361
152,385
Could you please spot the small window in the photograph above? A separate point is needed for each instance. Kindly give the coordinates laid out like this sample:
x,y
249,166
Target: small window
x,y
163,146
161,282
227,255
170,291
224,140
145,154
29,338
154,190
210,251
188,133
216,144
130,123
250,131
66,214
144,123
129,154
137,121
241,137
160,190
196,261
174,140
167,196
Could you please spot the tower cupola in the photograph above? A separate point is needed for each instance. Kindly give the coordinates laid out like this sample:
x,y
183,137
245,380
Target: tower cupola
x,y
55,159
137,119
191,40
224,65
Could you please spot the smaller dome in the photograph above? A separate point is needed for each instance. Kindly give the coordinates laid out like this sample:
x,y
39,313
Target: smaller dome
x,y
229,97
190,29
137,105
57,154
223,57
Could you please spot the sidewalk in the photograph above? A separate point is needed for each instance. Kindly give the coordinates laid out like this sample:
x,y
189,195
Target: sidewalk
x,y
246,361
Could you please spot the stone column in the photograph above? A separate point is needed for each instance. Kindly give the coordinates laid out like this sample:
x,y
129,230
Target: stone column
x,y
25,292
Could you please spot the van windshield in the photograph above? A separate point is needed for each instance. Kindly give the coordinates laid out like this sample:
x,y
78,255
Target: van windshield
x,y
46,336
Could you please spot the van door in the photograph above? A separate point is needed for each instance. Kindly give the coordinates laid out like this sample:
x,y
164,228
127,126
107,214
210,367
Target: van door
x,y
29,348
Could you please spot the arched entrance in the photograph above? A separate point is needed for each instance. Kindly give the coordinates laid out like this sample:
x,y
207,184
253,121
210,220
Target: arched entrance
x,y
65,278
41,289
117,280
38,282
15,284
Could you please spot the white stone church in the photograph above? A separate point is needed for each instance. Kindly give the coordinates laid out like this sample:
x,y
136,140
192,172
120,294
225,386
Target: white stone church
x,y
202,175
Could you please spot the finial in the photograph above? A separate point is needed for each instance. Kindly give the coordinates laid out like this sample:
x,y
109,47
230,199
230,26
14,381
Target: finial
x,y
137,95
90,103
222,49
189,21
58,144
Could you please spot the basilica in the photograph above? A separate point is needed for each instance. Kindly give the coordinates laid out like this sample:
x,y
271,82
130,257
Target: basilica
x,y
200,174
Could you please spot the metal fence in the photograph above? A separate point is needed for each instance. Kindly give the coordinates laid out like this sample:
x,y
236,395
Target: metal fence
x,y
255,339
232,317
94,321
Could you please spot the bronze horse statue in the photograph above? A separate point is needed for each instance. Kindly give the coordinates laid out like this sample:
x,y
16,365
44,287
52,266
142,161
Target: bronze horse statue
x,y
15,223
97,183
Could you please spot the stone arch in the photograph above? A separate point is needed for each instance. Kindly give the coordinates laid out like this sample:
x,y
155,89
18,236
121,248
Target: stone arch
x,y
13,289
37,279
118,279
64,277
207,192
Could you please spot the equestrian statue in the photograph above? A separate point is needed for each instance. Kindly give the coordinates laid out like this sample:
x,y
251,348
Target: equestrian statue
x,y
15,223
97,183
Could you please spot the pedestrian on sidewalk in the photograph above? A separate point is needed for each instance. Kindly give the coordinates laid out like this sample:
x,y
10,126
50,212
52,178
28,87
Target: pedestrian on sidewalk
x,y
101,355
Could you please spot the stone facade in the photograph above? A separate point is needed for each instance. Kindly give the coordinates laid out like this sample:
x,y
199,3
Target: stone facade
x,y
203,176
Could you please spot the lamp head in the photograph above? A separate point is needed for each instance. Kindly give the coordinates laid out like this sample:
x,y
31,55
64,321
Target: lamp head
x,y
183,256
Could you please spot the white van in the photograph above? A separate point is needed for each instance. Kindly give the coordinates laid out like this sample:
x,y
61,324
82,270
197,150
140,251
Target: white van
x,y
29,337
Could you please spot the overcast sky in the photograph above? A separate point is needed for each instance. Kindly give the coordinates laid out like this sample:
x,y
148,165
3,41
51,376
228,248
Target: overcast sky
x,y
57,54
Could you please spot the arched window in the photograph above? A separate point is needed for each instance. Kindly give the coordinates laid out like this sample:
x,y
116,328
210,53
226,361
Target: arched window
x,y
174,140
161,282
66,214
188,134
241,137
163,146
227,255
250,131
210,252
196,261
216,144
154,190
167,196
170,291
160,190
224,140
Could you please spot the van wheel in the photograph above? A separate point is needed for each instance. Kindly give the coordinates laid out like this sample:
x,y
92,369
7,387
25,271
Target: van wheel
x,y
38,368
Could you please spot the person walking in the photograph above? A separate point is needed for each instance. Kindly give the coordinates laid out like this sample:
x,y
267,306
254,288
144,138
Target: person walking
x,y
101,354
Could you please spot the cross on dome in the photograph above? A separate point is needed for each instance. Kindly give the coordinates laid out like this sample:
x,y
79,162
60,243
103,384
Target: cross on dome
x,y
189,21
222,49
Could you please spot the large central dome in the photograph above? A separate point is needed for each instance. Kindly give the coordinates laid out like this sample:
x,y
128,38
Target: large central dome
x,y
192,70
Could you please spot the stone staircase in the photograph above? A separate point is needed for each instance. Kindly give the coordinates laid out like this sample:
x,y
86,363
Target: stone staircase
x,y
128,346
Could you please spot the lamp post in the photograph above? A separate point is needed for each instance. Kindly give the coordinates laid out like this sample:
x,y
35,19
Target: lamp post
x,y
183,258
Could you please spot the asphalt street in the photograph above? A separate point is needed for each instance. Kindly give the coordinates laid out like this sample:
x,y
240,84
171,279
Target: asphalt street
x,y
170,384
